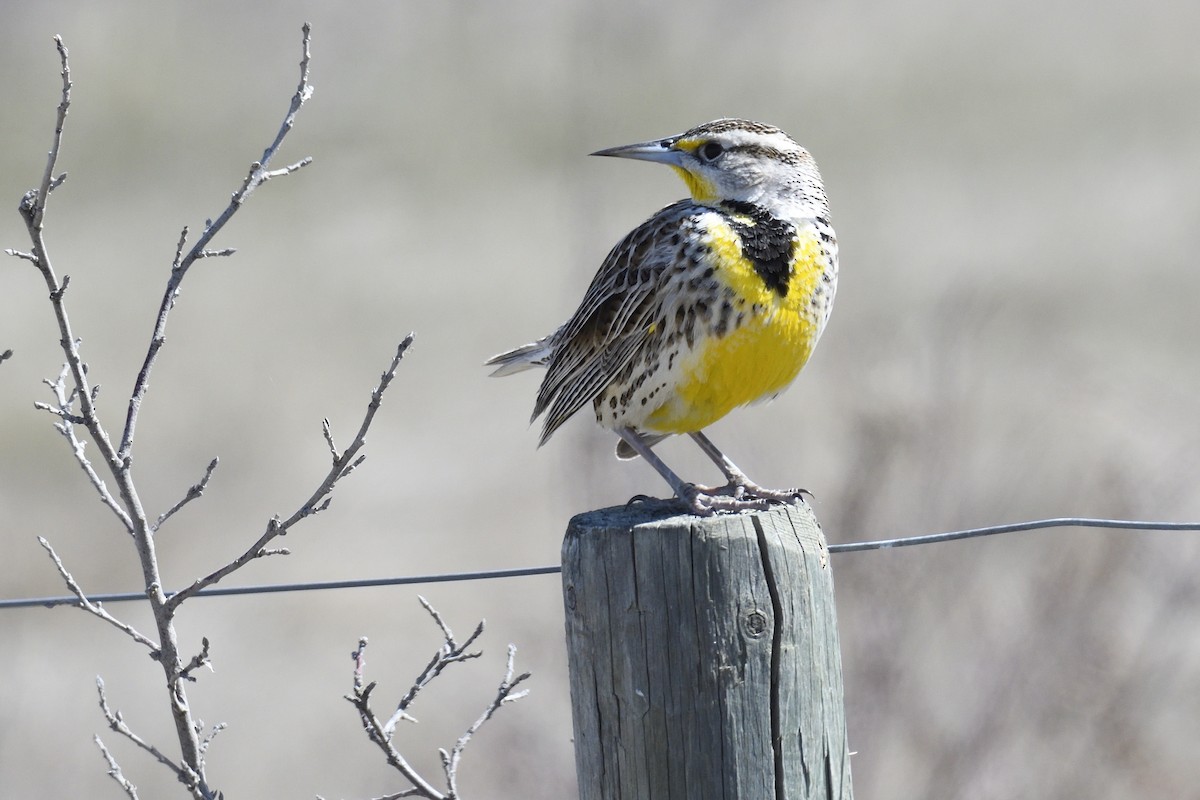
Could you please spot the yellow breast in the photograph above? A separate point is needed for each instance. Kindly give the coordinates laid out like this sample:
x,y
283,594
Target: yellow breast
x,y
758,358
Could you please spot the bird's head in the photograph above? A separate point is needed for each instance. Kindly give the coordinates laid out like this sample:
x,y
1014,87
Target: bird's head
x,y
740,160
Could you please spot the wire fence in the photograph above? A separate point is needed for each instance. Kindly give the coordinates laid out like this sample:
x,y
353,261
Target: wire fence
x,y
519,572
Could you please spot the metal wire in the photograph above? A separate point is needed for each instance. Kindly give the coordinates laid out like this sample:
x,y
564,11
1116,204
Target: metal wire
x,y
222,591
849,547
1016,527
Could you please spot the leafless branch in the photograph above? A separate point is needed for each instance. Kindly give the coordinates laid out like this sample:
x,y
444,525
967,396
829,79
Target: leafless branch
x,y
195,491
95,608
64,403
208,737
259,173
49,181
62,413
33,210
382,734
199,660
183,234
77,407
504,694
117,723
225,251
361,699
114,770
343,464
329,439
451,652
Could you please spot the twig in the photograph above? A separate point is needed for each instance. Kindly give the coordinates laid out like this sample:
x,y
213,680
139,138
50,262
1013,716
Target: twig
x,y
360,662
201,659
382,733
449,653
258,174
328,434
118,460
94,608
183,234
117,723
361,699
342,465
504,694
33,209
114,770
49,182
226,251
192,493
212,734
66,428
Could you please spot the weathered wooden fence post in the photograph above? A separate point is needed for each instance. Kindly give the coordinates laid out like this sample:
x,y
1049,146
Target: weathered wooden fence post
x,y
704,656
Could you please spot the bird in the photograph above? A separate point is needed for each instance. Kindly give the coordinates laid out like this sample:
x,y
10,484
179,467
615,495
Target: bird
x,y
713,303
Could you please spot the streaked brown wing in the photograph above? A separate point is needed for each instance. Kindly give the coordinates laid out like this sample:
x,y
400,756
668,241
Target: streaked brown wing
x,y
613,319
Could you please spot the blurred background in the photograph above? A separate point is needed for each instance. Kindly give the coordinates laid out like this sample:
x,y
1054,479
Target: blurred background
x,y
1016,189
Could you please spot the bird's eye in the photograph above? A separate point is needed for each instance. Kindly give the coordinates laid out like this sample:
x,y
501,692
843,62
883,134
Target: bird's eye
x,y
711,151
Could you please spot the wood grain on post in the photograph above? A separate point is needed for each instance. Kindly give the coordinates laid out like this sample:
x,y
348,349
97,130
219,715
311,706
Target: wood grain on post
x,y
704,656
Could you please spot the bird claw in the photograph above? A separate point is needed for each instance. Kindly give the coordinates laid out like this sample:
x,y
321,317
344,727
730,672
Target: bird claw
x,y
639,498
749,492
788,496
705,503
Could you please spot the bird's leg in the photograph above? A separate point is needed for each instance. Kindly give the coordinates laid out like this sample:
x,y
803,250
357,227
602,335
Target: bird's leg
x,y
701,502
739,485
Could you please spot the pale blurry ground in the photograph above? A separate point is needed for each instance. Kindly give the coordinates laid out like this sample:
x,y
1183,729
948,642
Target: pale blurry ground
x,y
1015,187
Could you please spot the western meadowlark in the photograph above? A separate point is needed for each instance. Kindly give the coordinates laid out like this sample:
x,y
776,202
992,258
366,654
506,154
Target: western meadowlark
x,y
712,303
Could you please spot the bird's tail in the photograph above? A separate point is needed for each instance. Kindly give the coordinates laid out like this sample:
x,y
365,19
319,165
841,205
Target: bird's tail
x,y
527,356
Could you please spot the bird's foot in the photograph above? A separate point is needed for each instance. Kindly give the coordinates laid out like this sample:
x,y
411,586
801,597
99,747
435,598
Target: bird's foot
x,y
704,502
745,489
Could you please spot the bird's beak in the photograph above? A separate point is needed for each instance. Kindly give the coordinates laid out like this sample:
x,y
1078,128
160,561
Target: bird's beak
x,y
663,151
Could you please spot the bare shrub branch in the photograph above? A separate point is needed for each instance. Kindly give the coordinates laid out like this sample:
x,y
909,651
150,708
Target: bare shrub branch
x,y
451,652
75,410
199,660
62,409
208,737
195,491
95,608
114,770
117,723
258,174
75,407
382,733
343,465
504,694
38,206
